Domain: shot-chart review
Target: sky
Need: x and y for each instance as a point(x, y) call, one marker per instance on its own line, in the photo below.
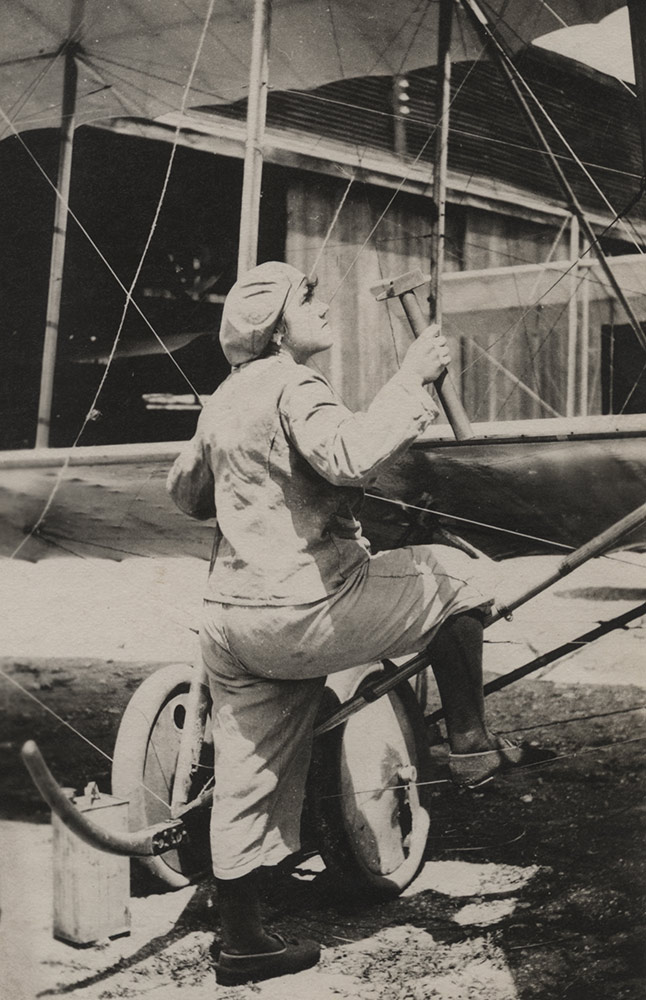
point(605, 46)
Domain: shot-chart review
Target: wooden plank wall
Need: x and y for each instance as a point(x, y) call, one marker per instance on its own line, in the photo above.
point(365, 247)
point(372, 336)
point(531, 343)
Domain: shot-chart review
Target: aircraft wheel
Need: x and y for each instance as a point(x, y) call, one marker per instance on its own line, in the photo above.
point(143, 770)
point(371, 813)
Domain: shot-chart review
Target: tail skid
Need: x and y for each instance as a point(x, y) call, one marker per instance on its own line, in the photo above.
point(139, 844)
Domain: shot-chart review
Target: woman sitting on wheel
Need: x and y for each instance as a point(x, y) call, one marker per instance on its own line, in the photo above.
point(294, 592)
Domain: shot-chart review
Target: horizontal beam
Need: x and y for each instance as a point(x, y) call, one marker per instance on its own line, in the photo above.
point(526, 284)
point(165, 452)
point(292, 148)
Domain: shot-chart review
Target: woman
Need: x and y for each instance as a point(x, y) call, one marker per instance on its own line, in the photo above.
point(294, 592)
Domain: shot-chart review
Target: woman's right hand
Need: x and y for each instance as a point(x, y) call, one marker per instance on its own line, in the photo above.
point(427, 356)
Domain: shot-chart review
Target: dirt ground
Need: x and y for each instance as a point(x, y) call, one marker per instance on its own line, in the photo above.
point(533, 886)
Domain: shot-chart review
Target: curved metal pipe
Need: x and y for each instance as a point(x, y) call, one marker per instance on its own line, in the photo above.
point(139, 844)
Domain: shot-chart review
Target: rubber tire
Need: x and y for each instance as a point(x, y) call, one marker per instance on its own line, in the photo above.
point(390, 732)
point(145, 757)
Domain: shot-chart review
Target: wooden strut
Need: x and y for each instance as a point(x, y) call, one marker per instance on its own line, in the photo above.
point(256, 118)
point(481, 24)
point(59, 237)
point(403, 288)
point(637, 18)
point(446, 391)
point(165, 837)
point(440, 168)
point(502, 609)
point(620, 621)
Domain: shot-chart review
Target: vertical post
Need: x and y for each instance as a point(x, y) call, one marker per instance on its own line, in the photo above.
point(442, 105)
point(585, 346)
point(400, 111)
point(637, 16)
point(190, 748)
point(256, 117)
point(570, 401)
point(60, 235)
point(440, 171)
point(481, 24)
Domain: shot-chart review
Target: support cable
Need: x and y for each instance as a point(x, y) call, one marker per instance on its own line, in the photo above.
point(512, 76)
point(128, 299)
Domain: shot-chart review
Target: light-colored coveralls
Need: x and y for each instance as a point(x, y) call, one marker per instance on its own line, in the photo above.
point(294, 592)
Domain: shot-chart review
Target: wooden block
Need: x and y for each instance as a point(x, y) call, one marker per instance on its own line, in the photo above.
point(91, 887)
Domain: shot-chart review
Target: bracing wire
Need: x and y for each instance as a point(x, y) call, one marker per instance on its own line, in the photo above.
point(633, 390)
point(517, 771)
point(550, 333)
point(48, 67)
point(469, 521)
point(572, 265)
point(531, 296)
point(575, 158)
point(128, 299)
point(99, 253)
point(400, 186)
point(557, 17)
point(618, 216)
point(41, 704)
point(332, 225)
point(35, 84)
point(498, 529)
point(114, 347)
point(64, 722)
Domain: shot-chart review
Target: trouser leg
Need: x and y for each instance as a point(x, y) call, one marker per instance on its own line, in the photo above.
point(262, 739)
point(456, 660)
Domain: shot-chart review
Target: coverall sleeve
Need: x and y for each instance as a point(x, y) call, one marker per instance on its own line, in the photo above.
point(190, 481)
point(349, 448)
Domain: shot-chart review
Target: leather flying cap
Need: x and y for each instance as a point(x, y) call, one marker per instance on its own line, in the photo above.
point(253, 308)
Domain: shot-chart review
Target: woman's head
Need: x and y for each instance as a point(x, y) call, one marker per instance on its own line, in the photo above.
point(273, 301)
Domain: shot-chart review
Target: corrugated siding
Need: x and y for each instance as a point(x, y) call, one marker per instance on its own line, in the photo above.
point(488, 133)
point(489, 138)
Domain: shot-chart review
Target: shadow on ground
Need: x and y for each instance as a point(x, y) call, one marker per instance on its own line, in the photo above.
point(574, 929)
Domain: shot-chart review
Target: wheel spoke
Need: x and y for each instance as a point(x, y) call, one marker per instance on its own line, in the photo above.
point(145, 761)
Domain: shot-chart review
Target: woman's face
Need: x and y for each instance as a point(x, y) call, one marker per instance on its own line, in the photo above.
point(307, 329)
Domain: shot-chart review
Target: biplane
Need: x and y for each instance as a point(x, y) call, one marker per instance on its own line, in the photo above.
point(571, 483)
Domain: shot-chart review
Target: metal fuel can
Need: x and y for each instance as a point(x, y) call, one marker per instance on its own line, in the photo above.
point(91, 887)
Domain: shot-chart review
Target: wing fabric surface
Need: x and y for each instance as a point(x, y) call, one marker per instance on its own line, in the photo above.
point(133, 58)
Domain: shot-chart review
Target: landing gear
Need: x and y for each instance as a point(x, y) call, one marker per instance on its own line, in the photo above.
point(370, 803)
point(370, 815)
point(144, 767)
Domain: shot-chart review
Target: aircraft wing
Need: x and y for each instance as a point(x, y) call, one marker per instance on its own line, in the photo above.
point(521, 488)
